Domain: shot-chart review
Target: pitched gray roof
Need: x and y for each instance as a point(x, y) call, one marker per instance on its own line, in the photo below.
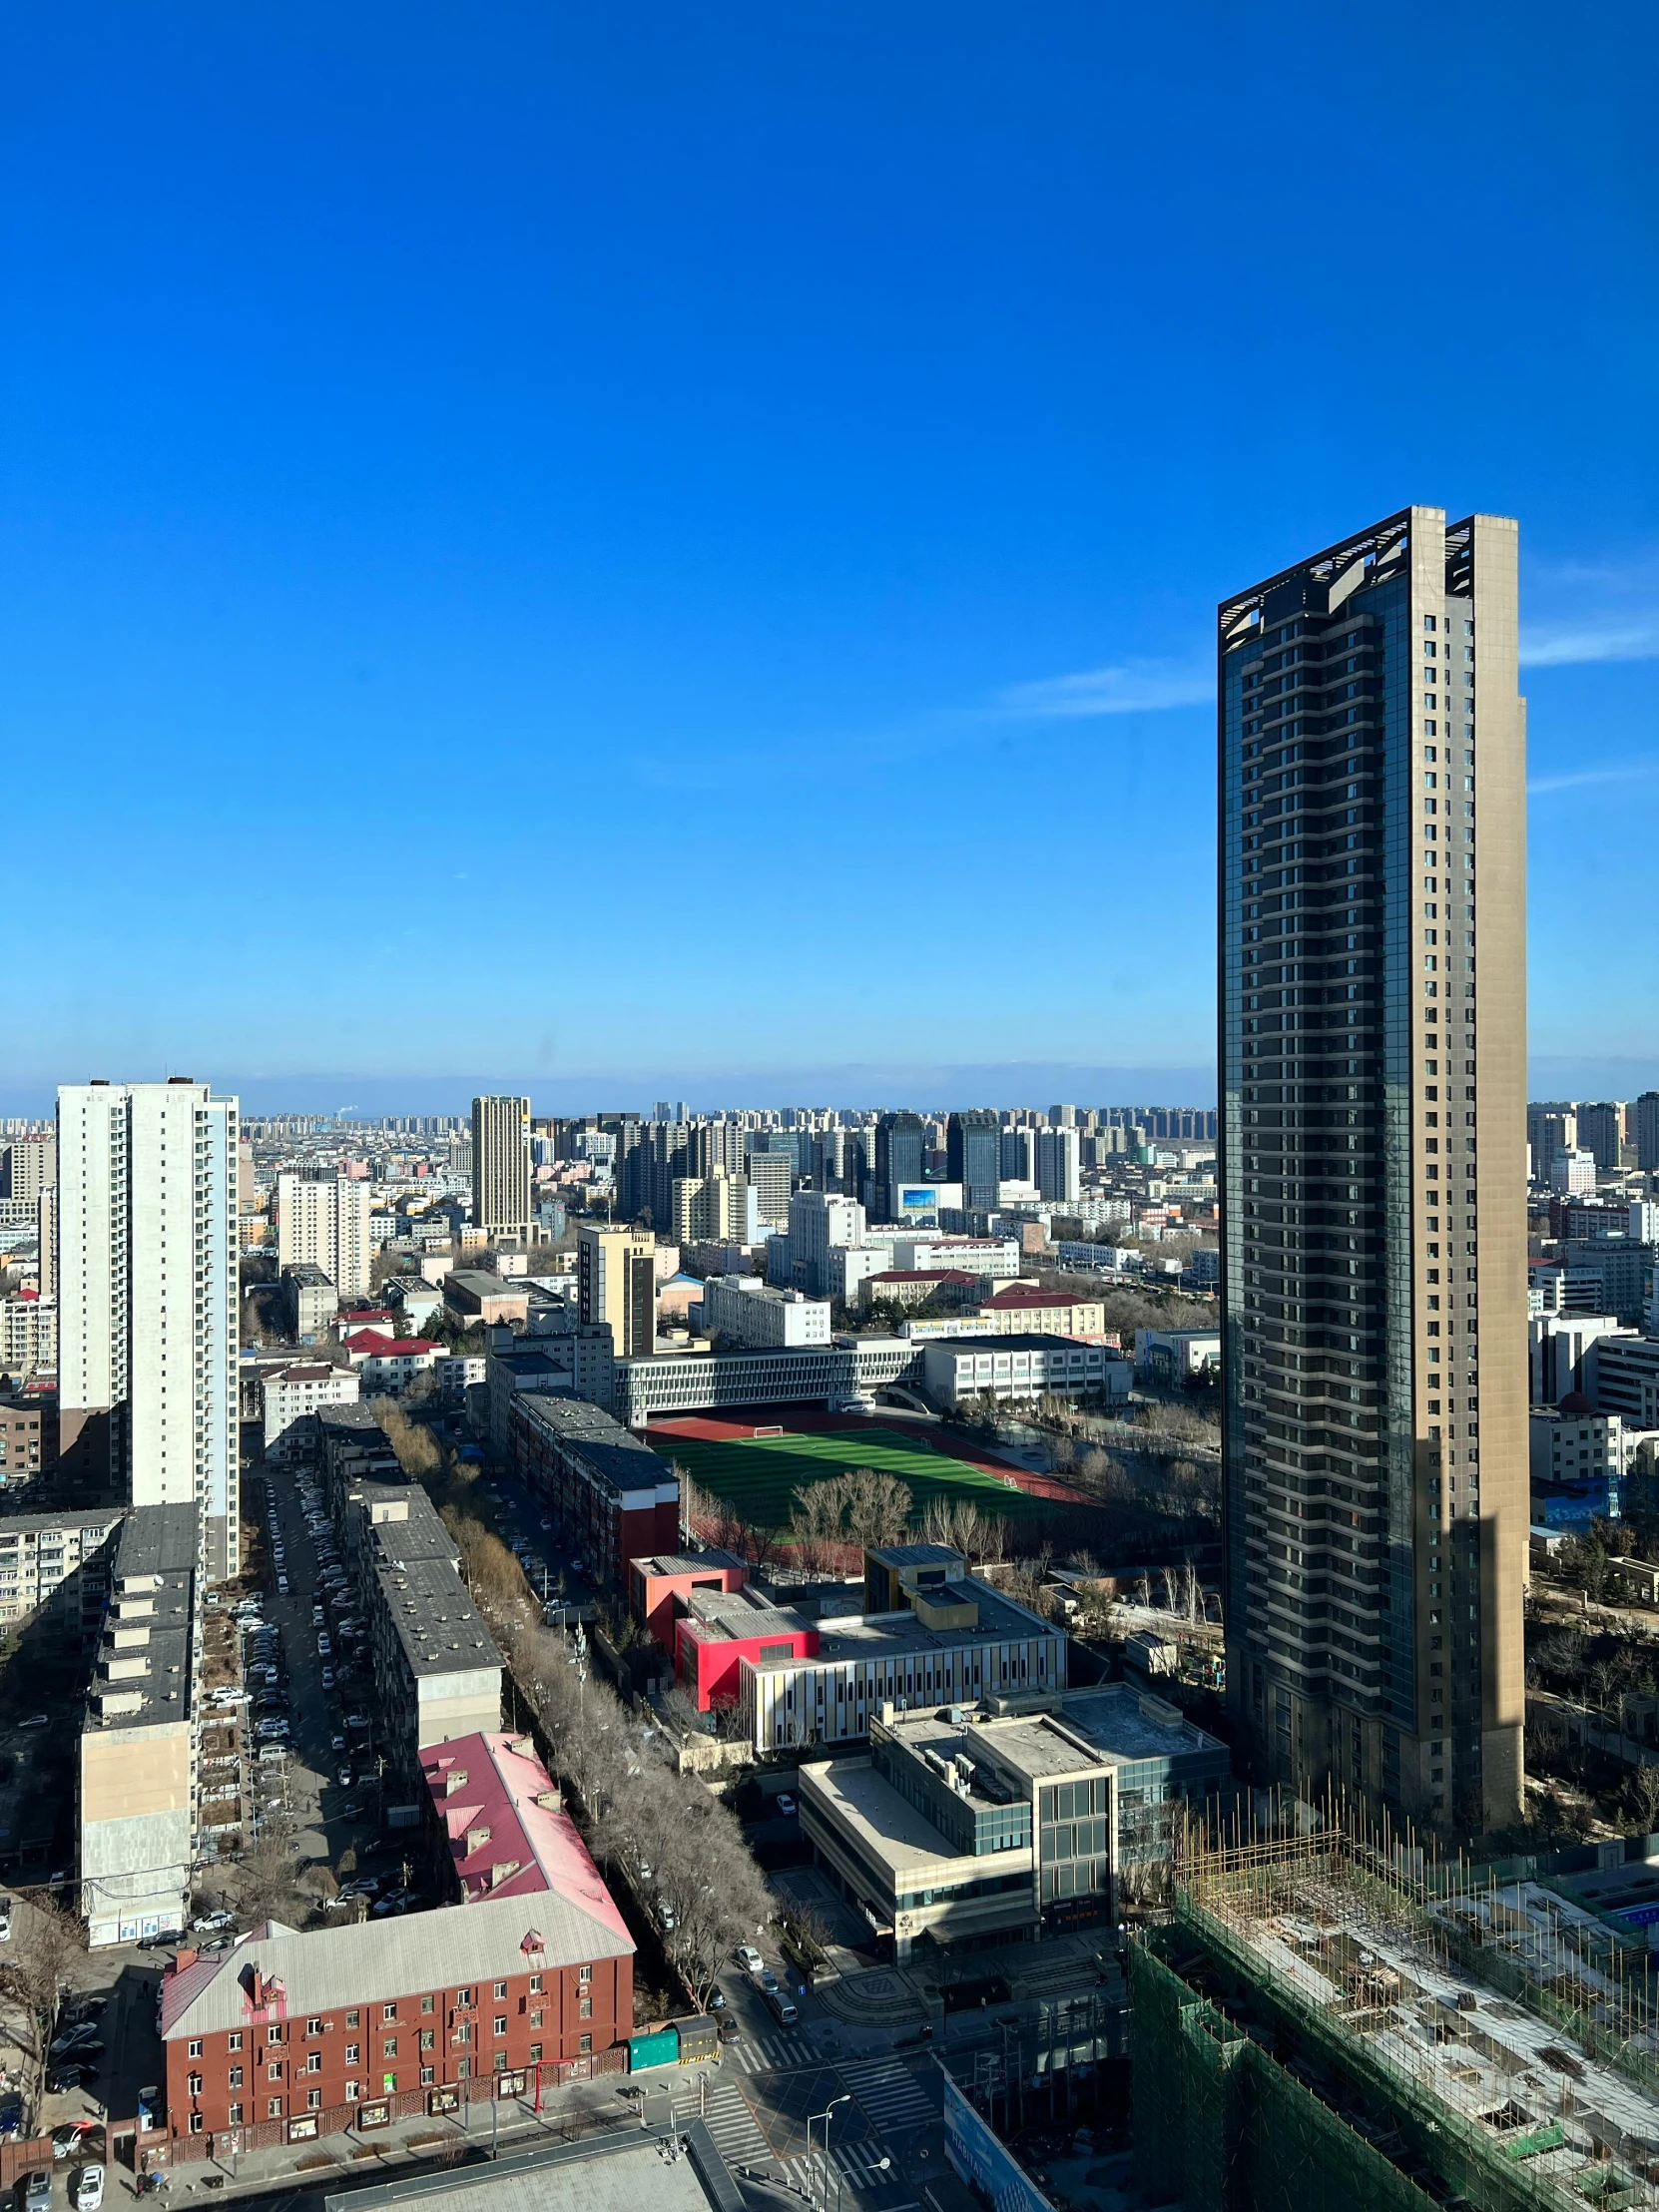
point(326, 1969)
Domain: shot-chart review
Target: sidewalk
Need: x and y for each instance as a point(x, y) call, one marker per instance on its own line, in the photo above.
point(582, 2109)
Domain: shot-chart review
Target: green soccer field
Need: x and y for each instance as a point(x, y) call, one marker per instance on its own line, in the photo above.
point(760, 1474)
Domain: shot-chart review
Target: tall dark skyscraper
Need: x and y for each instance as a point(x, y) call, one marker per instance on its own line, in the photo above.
point(1372, 1047)
point(900, 1147)
point(973, 1155)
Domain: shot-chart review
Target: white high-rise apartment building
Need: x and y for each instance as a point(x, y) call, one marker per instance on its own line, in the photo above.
point(1059, 1172)
point(148, 1309)
point(327, 1223)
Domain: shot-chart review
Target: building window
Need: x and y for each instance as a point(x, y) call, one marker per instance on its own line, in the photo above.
point(388, 2047)
point(351, 2051)
point(236, 2115)
point(428, 2038)
point(585, 2043)
point(314, 2063)
point(235, 2042)
point(584, 1974)
point(535, 1984)
point(501, 2023)
point(354, 2090)
point(536, 2019)
point(195, 2050)
point(273, 2108)
point(196, 2123)
point(313, 2027)
point(192, 2082)
point(501, 1988)
point(313, 2100)
point(234, 2079)
point(388, 2011)
point(463, 2070)
point(584, 2010)
point(464, 1999)
point(274, 2035)
point(428, 2004)
point(351, 2020)
point(428, 2074)
point(273, 2073)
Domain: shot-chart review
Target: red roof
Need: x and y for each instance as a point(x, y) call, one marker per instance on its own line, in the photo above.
point(367, 1344)
point(508, 1833)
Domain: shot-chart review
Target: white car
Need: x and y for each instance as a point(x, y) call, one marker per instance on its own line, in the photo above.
point(749, 1958)
point(89, 2189)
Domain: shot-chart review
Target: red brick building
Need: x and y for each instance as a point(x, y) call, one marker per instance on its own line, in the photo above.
point(288, 2036)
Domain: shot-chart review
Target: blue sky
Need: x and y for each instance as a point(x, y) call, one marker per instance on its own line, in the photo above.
point(666, 549)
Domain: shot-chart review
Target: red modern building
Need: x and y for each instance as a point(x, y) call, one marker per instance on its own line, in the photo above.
point(662, 1585)
point(527, 1980)
point(718, 1632)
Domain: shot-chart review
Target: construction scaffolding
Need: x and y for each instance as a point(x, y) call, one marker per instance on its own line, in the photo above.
point(1336, 2017)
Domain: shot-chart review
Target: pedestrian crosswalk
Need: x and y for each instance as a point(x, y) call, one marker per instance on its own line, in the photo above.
point(858, 2166)
point(729, 2121)
point(771, 2054)
point(890, 2094)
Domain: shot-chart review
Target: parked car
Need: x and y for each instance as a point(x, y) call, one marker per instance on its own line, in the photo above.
point(783, 1805)
point(749, 1958)
point(71, 2135)
point(211, 1921)
point(37, 2192)
point(35, 1720)
point(89, 2189)
point(63, 2078)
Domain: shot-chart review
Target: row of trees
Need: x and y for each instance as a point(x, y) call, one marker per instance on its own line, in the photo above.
point(673, 1839)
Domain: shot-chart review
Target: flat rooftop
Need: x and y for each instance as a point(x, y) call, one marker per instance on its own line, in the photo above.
point(604, 2176)
point(890, 1832)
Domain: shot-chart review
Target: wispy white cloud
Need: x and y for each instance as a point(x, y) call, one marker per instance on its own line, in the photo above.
point(1633, 639)
point(1632, 772)
point(1125, 688)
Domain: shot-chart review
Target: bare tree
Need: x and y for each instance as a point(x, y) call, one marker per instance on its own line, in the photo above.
point(37, 1960)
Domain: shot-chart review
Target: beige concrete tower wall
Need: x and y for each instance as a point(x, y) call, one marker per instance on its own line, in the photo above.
point(1501, 1028)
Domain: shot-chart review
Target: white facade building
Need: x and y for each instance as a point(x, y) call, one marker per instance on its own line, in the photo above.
point(757, 1314)
point(819, 1222)
point(149, 1317)
point(960, 1367)
point(326, 1222)
point(296, 1392)
point(998, 1257)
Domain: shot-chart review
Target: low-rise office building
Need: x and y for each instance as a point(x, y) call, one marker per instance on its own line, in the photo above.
point(1176, 1356)
point(756, 1315)
point(1008, 1368)
point(417, 1301)
point(918, 1287)
point(611, 1498)
point(457, 1371)
point(966, 1831)
point(525, 1981)
point(846, 1374)
point(137, 1751)
point(967, 1825)
point(931, 1634)
point(476, 1294)
point(293, 1396)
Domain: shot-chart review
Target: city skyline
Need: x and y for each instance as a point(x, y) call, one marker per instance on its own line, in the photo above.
point(419, 429)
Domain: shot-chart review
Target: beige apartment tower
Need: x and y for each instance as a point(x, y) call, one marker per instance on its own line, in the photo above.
point(616, 1287)
point(501, 1167)
point(1372, 1049)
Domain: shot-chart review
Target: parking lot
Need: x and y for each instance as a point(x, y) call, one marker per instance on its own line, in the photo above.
point(310, 1723)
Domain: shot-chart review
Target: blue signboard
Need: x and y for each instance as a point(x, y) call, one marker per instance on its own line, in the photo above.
point(1637, 1915)
point(981, 2158)
point(916, 1198)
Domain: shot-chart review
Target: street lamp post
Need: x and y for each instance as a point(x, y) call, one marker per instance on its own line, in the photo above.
point(812, 2119)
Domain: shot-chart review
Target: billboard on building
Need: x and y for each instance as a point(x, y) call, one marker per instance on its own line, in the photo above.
point(910, 1201)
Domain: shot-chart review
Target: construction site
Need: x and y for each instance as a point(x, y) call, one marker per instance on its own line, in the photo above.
point(1335, 2019)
